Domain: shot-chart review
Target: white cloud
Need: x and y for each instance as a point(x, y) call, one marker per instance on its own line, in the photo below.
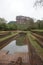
point(9, 9)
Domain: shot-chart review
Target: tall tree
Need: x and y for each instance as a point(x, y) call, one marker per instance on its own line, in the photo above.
point(3, 24)
point(38, 3)
point(2, 20)
point(31, 23)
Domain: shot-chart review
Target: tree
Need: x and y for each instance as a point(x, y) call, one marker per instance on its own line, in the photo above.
point(3, 24)
point(39, 24)
point(38, 3)
point(31, 24)
point(12, 25)
point(2, 20)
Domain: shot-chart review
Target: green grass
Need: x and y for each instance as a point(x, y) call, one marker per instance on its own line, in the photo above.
point(37, 47)
point(38, 30)
point(11, 35)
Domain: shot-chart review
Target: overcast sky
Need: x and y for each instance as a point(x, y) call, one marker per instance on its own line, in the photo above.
point(9, 9)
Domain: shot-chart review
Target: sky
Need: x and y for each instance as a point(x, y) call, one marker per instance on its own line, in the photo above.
point(9, 9)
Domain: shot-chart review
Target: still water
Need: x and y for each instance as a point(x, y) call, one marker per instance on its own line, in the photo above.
point(13, 48)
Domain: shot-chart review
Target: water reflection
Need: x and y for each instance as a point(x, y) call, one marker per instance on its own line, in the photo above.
point(12, 48)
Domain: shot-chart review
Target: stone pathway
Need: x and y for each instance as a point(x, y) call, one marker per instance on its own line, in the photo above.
point(7, 58)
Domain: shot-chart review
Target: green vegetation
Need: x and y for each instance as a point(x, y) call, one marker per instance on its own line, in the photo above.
point(34, 43)
point(27, 25)
point(9, 36)
point(7, 26)
point(37, 30)
point(21, 26)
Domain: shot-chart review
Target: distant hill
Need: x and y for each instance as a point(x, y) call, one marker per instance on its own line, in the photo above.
point(11, 22)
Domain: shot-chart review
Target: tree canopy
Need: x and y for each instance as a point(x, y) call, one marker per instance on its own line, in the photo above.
point(38, 3)
point(12, 25)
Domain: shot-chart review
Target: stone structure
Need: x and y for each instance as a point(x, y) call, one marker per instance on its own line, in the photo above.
point(22, 19)
point(14, 59)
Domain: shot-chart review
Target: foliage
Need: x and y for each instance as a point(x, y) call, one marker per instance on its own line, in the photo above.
point(38, 3)
point(7, 26)
point(12, 25)
point(39, 24)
